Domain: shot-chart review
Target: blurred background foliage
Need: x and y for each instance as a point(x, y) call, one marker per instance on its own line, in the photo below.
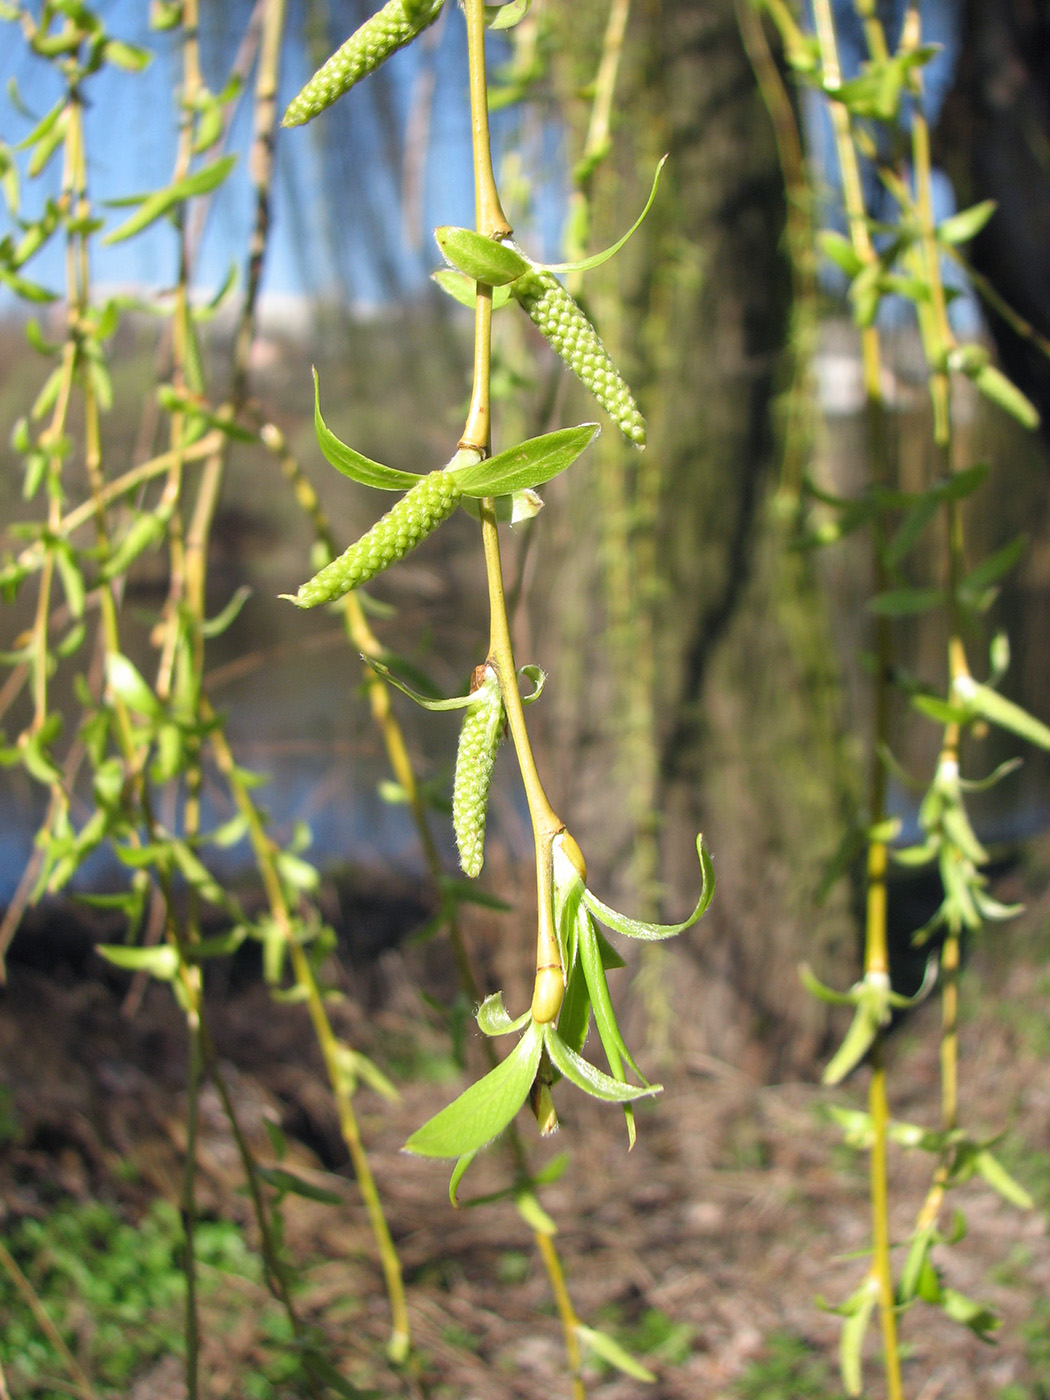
point(704, 673)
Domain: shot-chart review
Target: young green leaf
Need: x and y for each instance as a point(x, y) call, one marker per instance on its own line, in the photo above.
point(464, 289)
point(587, 1077)
point(505, 16)
point(509, 510)
point(990, 570)
point(995, 386)
point(613, 1353)
point(125, 681)
point(905, 602)
point(637, 928)
point(596, 259)
point(458, 1173)
point(616, 1051)
point(996, 709)
point(865, 1026)
point(485, 1109)
point(861, 1307)
point(353, 464)
point(533, 1214)
point(154, 206)
point(287, 1183)
point(574, 1018)
point(838, 249)
point(528, 464)
point(161, 962)
point(590, 954)
point(961, 227)
point(976, 1316)
point(455, 702)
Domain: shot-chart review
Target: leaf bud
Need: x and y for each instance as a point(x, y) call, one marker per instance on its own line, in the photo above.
point(548, 993)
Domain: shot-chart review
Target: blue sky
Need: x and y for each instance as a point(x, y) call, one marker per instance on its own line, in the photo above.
point(131, 140)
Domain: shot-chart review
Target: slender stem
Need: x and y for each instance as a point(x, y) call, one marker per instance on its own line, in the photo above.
point(596, 143)
point(545, 822)
point(566, 1311)
point(852, 185)
point(876, 953)
point(488, 211)
point(303, 972)
point(188, 1204)
point(798, 430)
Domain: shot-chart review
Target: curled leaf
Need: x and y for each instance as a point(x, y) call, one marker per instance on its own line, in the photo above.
point(638, 928)
point(596, 259)
point(493, 1017)
point(588, 1077)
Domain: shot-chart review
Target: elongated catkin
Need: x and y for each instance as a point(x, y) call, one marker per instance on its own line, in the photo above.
point(479, 741)
point(417, 514)
point(398, 22)
point(564, 325)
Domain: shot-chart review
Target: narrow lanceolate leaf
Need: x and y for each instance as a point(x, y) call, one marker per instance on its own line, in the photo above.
point(479, 742)
point(982, 700)
point(416, 515)
point(527, 464)
point(565, 327)
point(613, 1353)
point(154, 206)
point(588, 1077)
point(637, 928)
point(396, 24)
point(484, 1110)
point(861, 1307)
point(353, 464)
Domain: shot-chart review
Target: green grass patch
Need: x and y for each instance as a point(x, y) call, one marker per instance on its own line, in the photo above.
point(790, 1370)
point(116, 1293)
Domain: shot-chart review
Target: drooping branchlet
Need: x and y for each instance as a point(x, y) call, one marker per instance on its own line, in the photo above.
point(565, 326)
point(417, 514)
point(479, 741)
point(396, 24)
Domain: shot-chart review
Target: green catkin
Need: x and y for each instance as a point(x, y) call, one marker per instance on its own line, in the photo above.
point(396, 24)
point(479, 741)
point(417, 514)
point(565, 327)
